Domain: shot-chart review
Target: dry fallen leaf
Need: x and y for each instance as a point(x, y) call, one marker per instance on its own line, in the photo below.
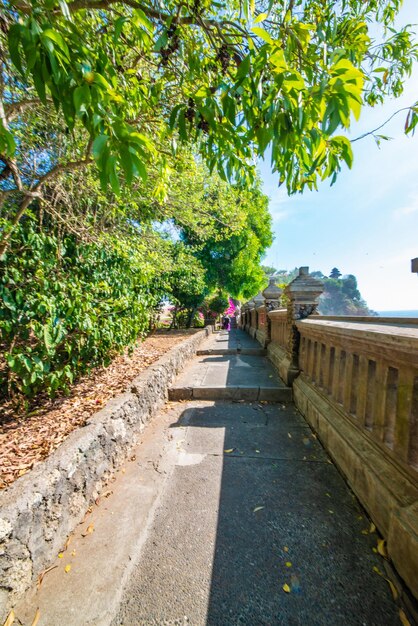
point(381, 548)
point(229, 450)
point(288, 564)
point(67, 568)
point(393, 589)
point(60, 555)
point(67, 543)
point(73, 553)
point(10, 619)
point(258, 508)
point(88, 531)
point(286, 549)
point(37, 617)
point(372, 528)
point(42, 574)
point(286, 588)
point(289, 435)
point(402, 616)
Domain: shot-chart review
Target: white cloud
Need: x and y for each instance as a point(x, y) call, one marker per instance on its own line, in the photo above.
point(278, 215)
point(409, 208)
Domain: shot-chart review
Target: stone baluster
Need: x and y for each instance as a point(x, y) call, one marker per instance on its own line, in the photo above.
point(303, 294)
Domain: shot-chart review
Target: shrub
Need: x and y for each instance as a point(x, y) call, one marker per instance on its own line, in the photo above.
point(67, 306)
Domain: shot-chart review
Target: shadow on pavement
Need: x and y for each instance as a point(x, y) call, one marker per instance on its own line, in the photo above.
point(290, 544)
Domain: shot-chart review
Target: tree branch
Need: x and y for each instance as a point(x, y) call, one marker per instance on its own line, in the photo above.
point(372, 132)
point(35, 192)
point(12, 109)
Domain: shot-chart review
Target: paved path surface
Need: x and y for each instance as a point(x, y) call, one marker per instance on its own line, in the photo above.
point(230, 513)
point(230, 366)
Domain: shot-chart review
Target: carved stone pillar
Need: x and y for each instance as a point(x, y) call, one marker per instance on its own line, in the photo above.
point(303, 293)
point(272, 295)
point(258, 301)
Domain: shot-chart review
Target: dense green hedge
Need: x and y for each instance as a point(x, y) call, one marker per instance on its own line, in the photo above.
point(67, 306)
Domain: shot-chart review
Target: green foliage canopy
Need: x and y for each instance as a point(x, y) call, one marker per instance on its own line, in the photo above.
point(69, 306)
point(122, 80)
point(232, 260)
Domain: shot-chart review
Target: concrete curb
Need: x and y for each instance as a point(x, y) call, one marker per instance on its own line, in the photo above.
point(41, 509)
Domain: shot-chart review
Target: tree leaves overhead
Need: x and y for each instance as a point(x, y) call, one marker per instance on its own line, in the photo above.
point(234, 79)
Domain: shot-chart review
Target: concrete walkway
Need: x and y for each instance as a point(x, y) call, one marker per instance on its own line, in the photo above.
point(230, 513)
point(230, 366)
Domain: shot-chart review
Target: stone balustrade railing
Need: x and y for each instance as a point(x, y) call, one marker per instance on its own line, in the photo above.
point(355, 380)
point(371, 372)
point(279, 333)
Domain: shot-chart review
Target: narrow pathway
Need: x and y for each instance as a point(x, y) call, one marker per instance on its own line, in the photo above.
point(256, 525)
point(230, 513)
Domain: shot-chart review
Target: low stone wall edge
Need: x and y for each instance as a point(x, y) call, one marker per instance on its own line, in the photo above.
point(42, 508)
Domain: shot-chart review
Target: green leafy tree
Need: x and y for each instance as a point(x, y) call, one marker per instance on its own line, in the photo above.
point(186, 286)
point(232, 260)
point(268, 270)
point(335, 273)
point(342, 297)
point(217, 304)
point(118, 82)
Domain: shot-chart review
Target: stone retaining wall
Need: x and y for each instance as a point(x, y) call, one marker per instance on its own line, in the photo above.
point(42, 508)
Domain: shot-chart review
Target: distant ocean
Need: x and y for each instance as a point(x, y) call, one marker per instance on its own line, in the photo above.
point(398, 313)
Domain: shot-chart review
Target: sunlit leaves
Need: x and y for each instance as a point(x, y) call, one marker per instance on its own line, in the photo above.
point(232, 82)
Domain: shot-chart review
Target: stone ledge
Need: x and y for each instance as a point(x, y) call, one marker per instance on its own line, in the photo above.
point(42, 508)
point(388, 494)
point(280, 359)
point(261, 337)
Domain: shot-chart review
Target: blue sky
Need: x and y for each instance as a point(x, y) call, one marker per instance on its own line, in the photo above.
point(367, 223)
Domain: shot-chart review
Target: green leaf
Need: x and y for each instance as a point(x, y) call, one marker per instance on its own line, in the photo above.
point(99, 144)
point(100, 80)
point(142, 19)
point(113, 174)
point(173, 115)
point(48, 340)
point(14, 39)
point(54, 36)
point(260, 18)
point(119, 24)
point(127, 164)
point(7, 142)
point(161, 41)
point(82, 98)
point(40, 87)
point(139, 167)
point(65, 10)
point(263, 34)
point(182, 126)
